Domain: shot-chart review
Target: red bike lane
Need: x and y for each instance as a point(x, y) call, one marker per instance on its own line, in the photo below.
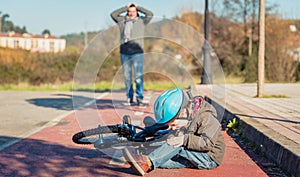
point(51, 152)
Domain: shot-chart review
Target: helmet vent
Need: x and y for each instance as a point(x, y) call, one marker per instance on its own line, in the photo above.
point(163, 113)
point(156, 107)
point(163, 102)
point(173, 91)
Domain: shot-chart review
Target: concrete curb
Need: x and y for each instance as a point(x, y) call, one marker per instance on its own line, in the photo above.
point(267, 138)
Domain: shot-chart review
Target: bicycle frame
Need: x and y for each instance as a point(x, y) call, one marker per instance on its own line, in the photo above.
point(129, 134)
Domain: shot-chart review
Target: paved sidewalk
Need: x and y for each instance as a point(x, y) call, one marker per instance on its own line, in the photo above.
point(50, 152)
point(273, 123)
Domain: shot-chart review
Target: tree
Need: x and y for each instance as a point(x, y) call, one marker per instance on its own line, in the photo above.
point(46, 31)
point(252, 28)
point(0, 22)
point(3, 22)
point(20, 30)
point(243, 11)
point(23, 30)
point(8, 26)
point(298, 25)
point(281, 43)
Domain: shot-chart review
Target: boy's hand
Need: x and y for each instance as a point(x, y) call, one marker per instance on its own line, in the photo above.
point(179, 124)
point(176, 141)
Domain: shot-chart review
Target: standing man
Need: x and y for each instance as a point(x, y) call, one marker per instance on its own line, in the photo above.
point(131, 48)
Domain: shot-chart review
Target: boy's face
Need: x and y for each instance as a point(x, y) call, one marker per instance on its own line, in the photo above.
point(132, 12)
point(177, 122)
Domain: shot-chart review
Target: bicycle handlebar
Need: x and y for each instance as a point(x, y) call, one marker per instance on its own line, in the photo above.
point(151, 130)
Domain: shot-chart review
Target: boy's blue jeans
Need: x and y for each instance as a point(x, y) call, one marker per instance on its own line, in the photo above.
point(167, 156)
point(136, 62)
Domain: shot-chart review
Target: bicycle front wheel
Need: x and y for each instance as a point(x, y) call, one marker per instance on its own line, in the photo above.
point(88, 136)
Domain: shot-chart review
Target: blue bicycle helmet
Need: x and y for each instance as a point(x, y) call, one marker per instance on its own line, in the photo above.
point(168, 105)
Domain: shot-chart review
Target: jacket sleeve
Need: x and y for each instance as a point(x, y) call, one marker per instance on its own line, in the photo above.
point(198, 142)
point(116, 15)
point(202, 138)
point(148, 14)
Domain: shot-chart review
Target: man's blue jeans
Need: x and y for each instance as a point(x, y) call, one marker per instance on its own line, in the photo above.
point(167, 156)
point(136, 62)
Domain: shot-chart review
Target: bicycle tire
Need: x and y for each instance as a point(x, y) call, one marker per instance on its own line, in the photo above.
point(91, 132)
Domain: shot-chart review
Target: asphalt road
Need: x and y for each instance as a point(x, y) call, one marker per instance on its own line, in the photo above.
point(23, 113)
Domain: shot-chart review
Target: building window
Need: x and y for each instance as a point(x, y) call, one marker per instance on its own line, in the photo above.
point(16, 44)
point(52, 46)
point(34, 44)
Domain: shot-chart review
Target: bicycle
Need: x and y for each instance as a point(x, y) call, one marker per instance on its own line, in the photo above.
point(125, 134)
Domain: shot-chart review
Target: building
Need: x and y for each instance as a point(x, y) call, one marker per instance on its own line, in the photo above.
point(31, 42)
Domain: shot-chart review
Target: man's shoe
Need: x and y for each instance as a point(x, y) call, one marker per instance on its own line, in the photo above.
point(140, 163)
point(129, 102)
point(140, 103)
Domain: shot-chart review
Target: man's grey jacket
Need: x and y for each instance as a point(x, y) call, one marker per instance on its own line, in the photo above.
point(136, 42)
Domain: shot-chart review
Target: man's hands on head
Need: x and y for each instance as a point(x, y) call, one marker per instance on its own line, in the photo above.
point(135, 5)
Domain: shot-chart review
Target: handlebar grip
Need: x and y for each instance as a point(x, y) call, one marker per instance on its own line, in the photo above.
point(151, 130)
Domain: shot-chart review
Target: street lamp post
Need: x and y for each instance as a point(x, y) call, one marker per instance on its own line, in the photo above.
point(206, 74)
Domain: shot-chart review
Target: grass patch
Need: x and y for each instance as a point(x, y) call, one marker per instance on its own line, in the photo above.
point(274, 96)
point(161, 85)
point(234, 80)
point(43, 87)
point(99, 86)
